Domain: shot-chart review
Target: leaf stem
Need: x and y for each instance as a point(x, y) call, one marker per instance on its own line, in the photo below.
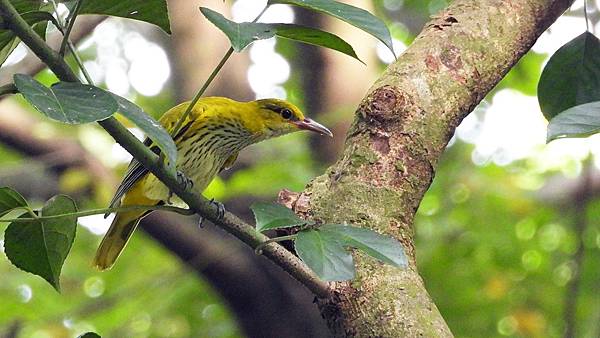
point(91, 212)
point(259, 248)
point(199, 94)
point(79, 63)
point(71, 22)
point(69, 44)
point(208, 81)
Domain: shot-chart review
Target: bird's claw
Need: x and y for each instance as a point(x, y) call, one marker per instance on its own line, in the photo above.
point(182, 180)
point(220, 211)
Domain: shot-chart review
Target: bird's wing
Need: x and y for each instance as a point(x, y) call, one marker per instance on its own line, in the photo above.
point(136, 170)
point(134, 173)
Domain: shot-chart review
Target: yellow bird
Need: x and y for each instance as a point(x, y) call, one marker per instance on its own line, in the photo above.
point(208, 142)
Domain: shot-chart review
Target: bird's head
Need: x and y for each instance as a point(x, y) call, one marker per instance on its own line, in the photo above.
point(278, 117)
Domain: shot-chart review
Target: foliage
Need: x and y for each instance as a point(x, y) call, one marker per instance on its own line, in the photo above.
point(323, 247)
point(30, 10)
point(504, 250)
point(353, 15)
point(242, 34)
point(150, 293)
point(41, 245)
point(490, 248)
point(569, 89)
point(76, 103)
point(150, 11)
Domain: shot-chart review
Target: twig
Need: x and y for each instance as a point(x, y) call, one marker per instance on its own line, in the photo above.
point(91, 212)
point(231, 223)
point(71, 22)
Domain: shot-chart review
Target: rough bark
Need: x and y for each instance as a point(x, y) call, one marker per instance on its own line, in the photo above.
point(400, 130)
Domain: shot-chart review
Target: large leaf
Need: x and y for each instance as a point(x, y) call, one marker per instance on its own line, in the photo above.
point(384, 248)
point(67, 102)
point(353, 15)
point(10, 199)
point(76, 103)
point(41, 246)
point(151, 11)
point(150, 127)
point(325, 255)
point(315, 37)
point(571, 76)
point(274, 216)
point(580, 121)
point(243, 34)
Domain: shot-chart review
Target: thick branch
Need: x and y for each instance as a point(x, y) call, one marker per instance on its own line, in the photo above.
point(201, 205)
point(399, 133)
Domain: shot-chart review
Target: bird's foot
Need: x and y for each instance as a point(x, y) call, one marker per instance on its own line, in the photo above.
point(220, 212)
point(182, 180)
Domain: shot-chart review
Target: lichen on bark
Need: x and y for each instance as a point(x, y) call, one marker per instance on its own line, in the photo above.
point(400, 130)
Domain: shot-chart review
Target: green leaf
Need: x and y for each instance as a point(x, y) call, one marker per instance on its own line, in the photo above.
point(242, 34)
point(355, 16)
point(378, 246)
point(89, 335)
point(274, 216)
point(23, 6)
point(10, 199)
point(150, 127)
point(571, 76)
point(315, 37)
point(67, 102)
point(151, 11)
point(580, 121)
point(41, 246)
point(8, 43)
point(325, 255)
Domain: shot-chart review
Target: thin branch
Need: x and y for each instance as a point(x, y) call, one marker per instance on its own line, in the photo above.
point(201, 91)
point(231, 223)
point(71, 22)
point(92, 212)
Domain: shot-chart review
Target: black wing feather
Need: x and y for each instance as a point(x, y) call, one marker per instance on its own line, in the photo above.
point(134, 173)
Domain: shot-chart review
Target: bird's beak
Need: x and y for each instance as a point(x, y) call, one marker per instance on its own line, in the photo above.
point(308, 124)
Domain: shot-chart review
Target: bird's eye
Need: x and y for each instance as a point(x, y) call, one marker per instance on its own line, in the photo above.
point(286, 113)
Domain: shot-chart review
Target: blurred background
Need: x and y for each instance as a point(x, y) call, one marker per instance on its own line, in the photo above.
point(508, 240)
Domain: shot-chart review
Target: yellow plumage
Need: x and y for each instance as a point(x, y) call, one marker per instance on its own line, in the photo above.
point(208, 141)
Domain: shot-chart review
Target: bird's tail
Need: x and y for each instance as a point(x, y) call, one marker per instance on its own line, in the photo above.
point(116, 238)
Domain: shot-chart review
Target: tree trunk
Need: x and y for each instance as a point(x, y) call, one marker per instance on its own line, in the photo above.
point(400, 130)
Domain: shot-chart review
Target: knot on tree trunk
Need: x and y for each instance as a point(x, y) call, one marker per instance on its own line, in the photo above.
point(382, 105)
